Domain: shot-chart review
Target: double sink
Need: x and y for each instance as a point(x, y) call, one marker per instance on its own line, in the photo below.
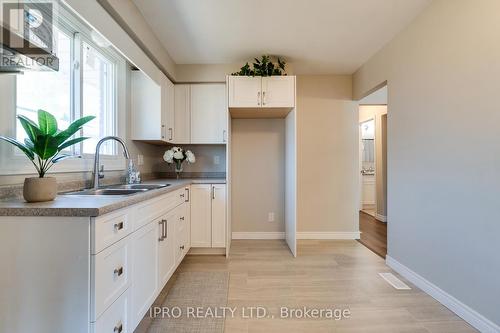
point(120, 189)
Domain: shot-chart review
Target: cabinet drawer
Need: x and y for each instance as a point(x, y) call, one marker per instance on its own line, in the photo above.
point(111, 275)
point(109, 229)
point(115, 319)
point(154, 208)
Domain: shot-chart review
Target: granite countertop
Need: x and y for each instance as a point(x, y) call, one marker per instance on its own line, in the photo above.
point(90, 205)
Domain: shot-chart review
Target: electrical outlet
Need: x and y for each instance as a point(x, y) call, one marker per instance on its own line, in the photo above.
point(216, 159)
point(270, 217)
point(140, 159)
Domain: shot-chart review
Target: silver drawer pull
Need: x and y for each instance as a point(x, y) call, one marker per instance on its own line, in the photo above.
point(118, 271)
point(118, 328)
point(182, 195)
point(182, 247)
point(118, 226)
point(182, 218)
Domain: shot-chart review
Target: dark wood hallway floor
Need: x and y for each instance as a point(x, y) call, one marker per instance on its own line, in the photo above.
point(373, 234)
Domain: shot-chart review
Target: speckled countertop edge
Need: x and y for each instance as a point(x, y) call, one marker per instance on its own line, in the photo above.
point(91, 206)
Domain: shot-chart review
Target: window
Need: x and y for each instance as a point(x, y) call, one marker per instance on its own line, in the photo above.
point(89, 87)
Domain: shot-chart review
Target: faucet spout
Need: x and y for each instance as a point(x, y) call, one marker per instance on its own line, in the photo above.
point(126, 154)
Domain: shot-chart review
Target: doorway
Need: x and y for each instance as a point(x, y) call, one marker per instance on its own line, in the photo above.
point(373, 171)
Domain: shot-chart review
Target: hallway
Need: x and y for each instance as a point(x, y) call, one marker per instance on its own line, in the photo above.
point(373, 234)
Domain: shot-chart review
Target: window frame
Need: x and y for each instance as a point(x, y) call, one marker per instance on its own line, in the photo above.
point(11, 160)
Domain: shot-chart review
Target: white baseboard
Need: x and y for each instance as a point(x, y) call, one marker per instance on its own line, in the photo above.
point(300, 235)
point(258, 235)
point(381, 218)
point(328, 235)
point(471, 316)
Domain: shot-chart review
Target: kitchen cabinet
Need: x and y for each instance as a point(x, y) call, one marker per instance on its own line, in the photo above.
point(208, 215)
point(152, 108)
point(145, 270)
point(261, 92)
point(201, 210)
point(166, 246)
point(182, 114)
point(218, 215)
point(208, 113)
point(278, 92)
point(245, 92)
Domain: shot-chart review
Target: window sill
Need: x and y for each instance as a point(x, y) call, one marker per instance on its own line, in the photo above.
point(22, 166)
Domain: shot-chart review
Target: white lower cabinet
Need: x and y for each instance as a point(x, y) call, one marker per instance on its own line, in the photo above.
point(145, 270)
point(208, 215)
point(116, 318)
point(167, 246)
point(218, 215)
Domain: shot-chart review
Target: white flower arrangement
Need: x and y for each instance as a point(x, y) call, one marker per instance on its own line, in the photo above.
point(177, 156)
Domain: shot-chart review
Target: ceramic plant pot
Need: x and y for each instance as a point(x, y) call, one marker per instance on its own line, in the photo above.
point(39, 189)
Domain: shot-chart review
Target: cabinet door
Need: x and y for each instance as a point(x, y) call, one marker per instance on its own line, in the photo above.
point(201, 226)
point(219, 215)
point(244, 92)
point(166, 247)
point(146, 108)
point(183, 231)
point(182, 128)
point(145, 270)
point(168, 110)
point(208, 113)
point(278, 92)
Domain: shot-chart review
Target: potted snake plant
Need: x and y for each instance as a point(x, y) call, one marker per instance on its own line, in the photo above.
point(44, 147)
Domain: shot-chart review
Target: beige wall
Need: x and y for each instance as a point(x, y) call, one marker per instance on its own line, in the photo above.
point(327, 136)
point(258, 174)
point(443, 147)
point(377, 112)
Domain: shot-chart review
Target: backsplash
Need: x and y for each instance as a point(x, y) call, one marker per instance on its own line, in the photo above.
point(206, 156)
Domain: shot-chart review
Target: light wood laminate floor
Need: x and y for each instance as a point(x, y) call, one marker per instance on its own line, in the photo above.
point(326, 274)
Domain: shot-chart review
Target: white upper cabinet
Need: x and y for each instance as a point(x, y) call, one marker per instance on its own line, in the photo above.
point(182, 114)
point(245, 92)
point(278, 91)
point(208, 113)
point(152, 108)
point(261, 92)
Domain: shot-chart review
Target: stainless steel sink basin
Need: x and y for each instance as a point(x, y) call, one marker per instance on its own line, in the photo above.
point(121, 190)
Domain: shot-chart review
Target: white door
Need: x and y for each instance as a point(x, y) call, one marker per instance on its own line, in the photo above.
point(244, 92)
point(278, 92)
point(168, 115)
point(182, 128)
point(201, 225)
point(166, 247)
point(145, 270)
point(218, 215)
point(208, 113)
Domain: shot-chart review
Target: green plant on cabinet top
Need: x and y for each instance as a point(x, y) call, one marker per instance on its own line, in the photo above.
point(263, 67)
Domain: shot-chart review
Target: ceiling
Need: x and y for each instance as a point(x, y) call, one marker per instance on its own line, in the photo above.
point(317, 36)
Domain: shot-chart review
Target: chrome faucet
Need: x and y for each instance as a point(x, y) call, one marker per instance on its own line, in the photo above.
point(99, 171)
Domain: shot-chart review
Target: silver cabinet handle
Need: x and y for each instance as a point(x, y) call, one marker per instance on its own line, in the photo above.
point(224, 136)
point(162, 235)
point(118, 271)
point(182, 247)
point(263, 98)
point(118, 226)
point(258, 98)
point(118, 328)
point(163, 131)
point(182, 218)
point(165, 229)
point(213, 192)
point(170, 134)
point(187, 191)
